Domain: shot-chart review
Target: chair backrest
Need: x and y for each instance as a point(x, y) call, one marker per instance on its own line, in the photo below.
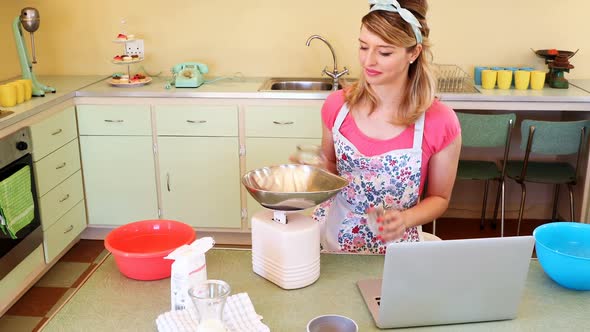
point(553, 137)
point(485, 130)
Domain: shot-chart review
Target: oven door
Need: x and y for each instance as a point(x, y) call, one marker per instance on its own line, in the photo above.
point(15, 247)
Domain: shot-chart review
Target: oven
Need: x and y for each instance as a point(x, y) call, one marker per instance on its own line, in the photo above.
point(20, 225)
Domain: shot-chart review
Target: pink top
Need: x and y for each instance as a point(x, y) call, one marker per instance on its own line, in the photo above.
point(441, 127)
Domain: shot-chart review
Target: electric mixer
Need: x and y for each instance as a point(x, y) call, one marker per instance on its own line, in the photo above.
point(29, 19)
point(285, 243)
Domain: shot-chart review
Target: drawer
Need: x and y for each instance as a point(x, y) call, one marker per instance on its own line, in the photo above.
point(56, 167)
point(60, 199)
point(17, 279)
point(191, 120)
point(284, 121)
point(64, 231)
point(53, 133)
point(124, 120)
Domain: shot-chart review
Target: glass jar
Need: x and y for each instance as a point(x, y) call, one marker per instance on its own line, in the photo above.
point(209, 298)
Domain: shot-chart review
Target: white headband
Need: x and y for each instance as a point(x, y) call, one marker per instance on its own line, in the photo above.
point(406, 15)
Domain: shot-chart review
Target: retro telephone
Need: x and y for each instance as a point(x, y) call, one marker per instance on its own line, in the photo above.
point(189, 74)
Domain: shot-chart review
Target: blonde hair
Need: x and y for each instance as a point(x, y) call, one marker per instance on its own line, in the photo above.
point(420, 90)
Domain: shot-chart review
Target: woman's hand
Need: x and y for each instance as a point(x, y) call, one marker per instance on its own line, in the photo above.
point(393, 225)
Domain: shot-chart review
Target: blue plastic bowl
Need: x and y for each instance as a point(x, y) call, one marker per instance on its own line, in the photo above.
point(563, 249)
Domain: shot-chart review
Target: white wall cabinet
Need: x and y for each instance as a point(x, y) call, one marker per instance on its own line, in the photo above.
point(198, 154)
point(118, 163)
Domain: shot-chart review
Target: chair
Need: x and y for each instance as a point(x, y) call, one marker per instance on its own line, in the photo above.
point(556, 138)
point(486, 131)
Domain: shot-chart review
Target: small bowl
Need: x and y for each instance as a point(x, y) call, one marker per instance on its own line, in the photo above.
point(332, 323)
point(563, 249)
point(139, 247)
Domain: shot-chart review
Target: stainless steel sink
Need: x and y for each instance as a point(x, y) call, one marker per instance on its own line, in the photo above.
point(300, 84)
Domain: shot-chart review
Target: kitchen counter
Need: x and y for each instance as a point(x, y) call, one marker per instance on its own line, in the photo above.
point(110, 302)
point(66, 87)
point(576, 98)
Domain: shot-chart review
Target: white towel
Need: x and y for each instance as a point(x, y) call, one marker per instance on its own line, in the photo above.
point(238, 316)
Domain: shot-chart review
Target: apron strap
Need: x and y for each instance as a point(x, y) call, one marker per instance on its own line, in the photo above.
point(340, 117)
point(419, 132)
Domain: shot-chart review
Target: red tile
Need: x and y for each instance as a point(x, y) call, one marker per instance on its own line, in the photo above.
point(37, 301)
point(84, 276)
point(84, 251)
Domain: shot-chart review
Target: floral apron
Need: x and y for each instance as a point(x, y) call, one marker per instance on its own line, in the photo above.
point(391, 180)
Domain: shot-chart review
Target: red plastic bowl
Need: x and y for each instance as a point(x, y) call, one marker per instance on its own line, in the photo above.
point(139, 247)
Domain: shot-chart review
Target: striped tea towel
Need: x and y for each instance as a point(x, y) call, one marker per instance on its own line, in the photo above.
point(17, 208)
point(238, 316)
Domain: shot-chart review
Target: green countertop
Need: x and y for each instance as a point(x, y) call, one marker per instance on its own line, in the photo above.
point(110, 302)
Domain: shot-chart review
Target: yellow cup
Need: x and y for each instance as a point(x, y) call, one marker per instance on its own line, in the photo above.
point(522, 79)
point(504, 79)
point(488, 79)
point(20, 91)
point(7, 95)
point(28, 84)
point(537, 80)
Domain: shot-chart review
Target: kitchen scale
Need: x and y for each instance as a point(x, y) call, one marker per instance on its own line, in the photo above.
point(286, 243)
point(558, 63)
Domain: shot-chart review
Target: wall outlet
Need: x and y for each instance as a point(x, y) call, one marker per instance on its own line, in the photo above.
point(135, 47)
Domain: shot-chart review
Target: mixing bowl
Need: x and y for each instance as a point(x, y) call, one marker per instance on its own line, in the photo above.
point(292, 187)
point(563, 249)
point(139, 247)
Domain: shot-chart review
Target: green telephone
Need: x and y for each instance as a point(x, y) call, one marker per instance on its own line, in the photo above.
point(189, 74)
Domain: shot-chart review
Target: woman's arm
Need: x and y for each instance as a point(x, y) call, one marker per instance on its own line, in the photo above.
point(442, 170)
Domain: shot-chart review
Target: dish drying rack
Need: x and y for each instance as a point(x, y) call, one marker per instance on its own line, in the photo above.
point(451, 78)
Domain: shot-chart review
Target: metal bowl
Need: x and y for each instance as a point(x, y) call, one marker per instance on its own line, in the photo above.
point(292, 187)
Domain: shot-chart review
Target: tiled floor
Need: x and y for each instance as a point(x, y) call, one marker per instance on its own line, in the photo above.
point(56, 286)
point(40, 302)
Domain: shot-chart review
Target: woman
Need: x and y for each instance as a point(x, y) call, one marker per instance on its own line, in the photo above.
point(388, 135)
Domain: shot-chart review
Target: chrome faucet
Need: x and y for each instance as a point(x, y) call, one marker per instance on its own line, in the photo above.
point(335, 74)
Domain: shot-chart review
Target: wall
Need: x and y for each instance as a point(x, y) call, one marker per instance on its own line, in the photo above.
point(267, 38)
point(9, 65)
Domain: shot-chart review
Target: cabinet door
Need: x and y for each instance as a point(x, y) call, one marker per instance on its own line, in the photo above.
point(119, 179)
point(200, 180)
point(262, 152)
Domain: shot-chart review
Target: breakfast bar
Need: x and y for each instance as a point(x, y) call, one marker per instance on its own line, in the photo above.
point(108, 301)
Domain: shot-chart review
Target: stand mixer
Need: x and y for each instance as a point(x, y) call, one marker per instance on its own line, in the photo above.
point(285, 243)
point(29, 19)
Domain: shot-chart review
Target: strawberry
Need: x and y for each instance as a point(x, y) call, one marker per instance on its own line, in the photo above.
point(121, 36)
point(552, 51)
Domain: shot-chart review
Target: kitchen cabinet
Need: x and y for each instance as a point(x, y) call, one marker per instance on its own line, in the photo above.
point(273, 133)
point(198, 156)
point(58, 178)
point(117, 155)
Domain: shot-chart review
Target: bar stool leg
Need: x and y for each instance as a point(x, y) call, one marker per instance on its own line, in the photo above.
point(498, 195)
point(571, 190)
point(482, 223)
point(503, 208)
point(521, 210)
point(555, 199)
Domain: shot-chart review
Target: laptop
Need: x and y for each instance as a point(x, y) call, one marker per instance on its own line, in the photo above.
point(448, 282)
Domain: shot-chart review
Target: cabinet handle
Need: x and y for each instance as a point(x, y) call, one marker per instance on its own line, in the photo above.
point(283, 122)
point(168, 181)
point(196, 121)
point(65, 197)
point(57, 132)
point(62, 165)
point(69, 229)
point(113, 121)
